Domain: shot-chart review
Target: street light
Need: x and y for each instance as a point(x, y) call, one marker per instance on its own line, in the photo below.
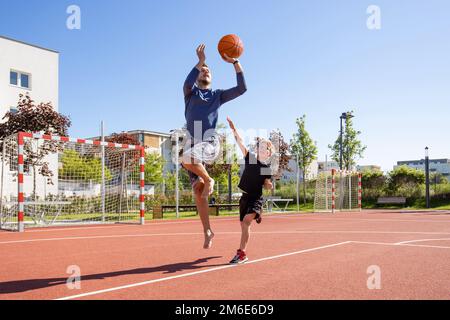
point(175, 142)
point(297, 178)
point(344, 116)
point(427, 178)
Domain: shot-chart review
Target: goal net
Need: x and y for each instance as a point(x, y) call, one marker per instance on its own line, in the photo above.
point(338, 190)
point(49, 180)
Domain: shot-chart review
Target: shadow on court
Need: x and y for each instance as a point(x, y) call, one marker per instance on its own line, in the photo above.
point(34, 284)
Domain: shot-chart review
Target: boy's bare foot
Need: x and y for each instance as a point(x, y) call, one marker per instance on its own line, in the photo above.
point(209, 188)
point(209, 235)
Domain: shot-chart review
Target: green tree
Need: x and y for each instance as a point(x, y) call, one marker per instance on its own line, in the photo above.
point(82, 168)
point(352, 147)
point(305, 149)
point(405, 180)
point(153, 168)
point(281, 153)
point(373, 183)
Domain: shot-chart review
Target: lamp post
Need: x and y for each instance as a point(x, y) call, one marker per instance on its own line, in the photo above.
point(344, 116)
point(298, 182)
point(175, 141)
point(427, 178)
point(230, 187)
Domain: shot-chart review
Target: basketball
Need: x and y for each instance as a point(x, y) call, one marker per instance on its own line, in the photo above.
point(231, 45)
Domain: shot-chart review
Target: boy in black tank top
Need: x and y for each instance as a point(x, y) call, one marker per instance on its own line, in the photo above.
point(256, 175)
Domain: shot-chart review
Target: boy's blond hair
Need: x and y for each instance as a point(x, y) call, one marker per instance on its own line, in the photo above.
point(269, 144)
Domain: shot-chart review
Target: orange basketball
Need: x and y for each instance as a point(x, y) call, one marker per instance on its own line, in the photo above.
point(232, 45)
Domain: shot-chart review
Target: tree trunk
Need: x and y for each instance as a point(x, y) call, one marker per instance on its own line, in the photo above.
point(304, 188)
point(34, 183)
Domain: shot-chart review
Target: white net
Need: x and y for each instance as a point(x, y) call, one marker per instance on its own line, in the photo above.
point(337, 191)
point(323, 193)
point(69, 182)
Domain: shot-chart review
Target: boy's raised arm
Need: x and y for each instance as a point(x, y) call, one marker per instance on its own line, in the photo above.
point(237, 137)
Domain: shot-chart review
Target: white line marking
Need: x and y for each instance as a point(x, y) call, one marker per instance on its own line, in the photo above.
point(359, 219)
point(306, 216)
point(104, 237)
point(423, 246)
point(223, 233)
point(197, 272)
point(422, 240)
point(399, 245)
point(121, 226)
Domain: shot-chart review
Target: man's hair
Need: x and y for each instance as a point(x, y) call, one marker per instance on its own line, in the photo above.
point(205, 65)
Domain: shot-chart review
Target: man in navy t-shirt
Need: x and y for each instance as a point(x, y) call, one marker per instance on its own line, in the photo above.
point(203, 146)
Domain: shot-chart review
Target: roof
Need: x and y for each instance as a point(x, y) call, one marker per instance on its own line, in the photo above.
point(28, 44)
point(161, 134)
point(155, 133)
point(422, 160)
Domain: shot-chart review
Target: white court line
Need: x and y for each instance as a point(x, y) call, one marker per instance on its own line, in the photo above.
point(306, 216)
point(223, 233)
point(198, 272)
point(105, 237)
point(421, 240)
point(361, 219)
point(106, 226)
point(399, 245)
point(121, 226)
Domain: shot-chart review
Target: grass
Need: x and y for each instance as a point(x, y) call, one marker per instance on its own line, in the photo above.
point(418, 204)
point(171, 215)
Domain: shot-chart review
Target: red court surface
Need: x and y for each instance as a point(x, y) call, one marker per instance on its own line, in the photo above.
point(292, 256)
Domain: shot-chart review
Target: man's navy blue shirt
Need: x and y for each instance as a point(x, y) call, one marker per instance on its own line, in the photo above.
point(202, 105)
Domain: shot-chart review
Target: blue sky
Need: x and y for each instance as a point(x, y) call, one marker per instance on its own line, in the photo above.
point(127, 64)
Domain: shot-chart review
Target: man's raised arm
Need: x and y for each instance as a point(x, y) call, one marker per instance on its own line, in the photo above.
point(241, 87)
point(193, 75)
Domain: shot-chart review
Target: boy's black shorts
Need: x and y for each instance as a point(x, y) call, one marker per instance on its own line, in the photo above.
point(249, 204)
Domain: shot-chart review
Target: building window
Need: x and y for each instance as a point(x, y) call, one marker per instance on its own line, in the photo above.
point(20, 79)
point(24, 81)
point(13, 78)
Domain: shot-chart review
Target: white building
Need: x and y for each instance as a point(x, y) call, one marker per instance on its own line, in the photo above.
point(325, 166)
point(155, 142)
point(292, 175)
point(26, 68)
point(441, 166)
point(369, 167)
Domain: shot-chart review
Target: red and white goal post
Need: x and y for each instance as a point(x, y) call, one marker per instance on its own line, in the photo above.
point(52, 181)
point(338, 190)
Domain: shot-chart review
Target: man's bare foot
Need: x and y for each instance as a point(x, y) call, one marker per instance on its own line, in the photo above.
point(209, 235)
point(209, 188)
